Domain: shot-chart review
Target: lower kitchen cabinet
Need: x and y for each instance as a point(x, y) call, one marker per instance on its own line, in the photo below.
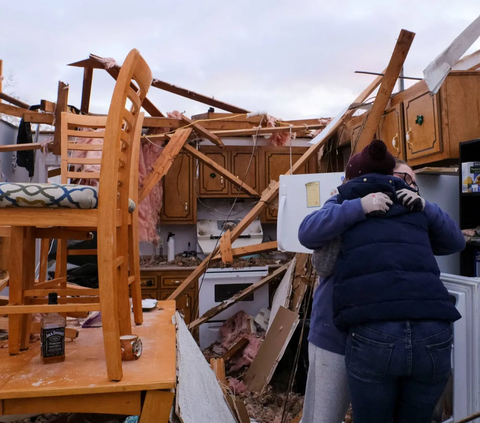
point(160, 284)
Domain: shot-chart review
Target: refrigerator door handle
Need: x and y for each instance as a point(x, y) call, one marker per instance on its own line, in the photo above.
point(281, 208)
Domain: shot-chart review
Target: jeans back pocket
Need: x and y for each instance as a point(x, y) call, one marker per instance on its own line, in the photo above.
point(441, 358)
point(366, 357)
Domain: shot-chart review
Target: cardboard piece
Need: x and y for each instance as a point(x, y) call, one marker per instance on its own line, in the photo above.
point(261, 371)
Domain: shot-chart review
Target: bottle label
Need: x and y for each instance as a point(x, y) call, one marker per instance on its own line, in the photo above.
point(53, 342)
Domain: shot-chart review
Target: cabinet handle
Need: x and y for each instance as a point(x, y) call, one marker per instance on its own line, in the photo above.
point(221, 180)
point(188, 302)
point(408, 136)
point(394, 143)
point(186, 206)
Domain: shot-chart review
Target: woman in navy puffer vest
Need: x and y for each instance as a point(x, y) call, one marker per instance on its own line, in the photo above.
point(388, 294)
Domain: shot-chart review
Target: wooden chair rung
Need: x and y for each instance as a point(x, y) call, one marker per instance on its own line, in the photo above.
point(48, 308)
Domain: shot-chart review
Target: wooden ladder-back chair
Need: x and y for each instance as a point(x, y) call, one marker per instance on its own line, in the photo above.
point(64, 206)
point(71, 122)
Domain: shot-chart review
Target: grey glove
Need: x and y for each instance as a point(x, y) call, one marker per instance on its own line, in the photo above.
point(411, 200)
point(376, 202)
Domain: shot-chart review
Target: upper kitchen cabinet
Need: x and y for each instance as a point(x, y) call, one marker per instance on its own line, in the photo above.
point(237, 160)
point(179, 200)
point(390, 130)
point(245, 166)
point(430, 128)
point(422, 125)
point(212, 184)
point(276, 162)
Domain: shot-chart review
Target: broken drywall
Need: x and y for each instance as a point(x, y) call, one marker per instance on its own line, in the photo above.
point(199, 398)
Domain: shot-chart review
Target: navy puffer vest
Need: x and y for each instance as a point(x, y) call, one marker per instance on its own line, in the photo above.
point(386, 269)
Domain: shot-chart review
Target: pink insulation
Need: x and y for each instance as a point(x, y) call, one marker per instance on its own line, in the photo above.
point(279, 138)
point(233, 330)
point(236, 386)
point(248, 354)
point(149, 209)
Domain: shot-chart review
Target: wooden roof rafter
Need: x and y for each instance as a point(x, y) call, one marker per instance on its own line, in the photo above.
point(97, 62)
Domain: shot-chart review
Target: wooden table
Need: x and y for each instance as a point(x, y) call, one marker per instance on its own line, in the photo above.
point(80, 384)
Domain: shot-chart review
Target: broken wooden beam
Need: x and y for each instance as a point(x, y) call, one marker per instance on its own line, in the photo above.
point(48, 106)
point(162, 122)
point(226, 248)
point(147, 104)
point(62, 104)
point(237, 297)
point(196, 96)
point(164, 162)
point(35, 117)
point(236, 349)
point(300, 282)
point(13, 100)
point(20, 147)
point(218, 367)
point(221, 170)
point(98, 62)
point(86, 89)
point(252, 249)
point(263, 131)
point(389, 80)
point(12, 110)
point(204, 132)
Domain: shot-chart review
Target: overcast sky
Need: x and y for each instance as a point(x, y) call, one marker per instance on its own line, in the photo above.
point(291, 58)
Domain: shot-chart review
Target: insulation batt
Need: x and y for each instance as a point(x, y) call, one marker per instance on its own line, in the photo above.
point(149, 209)
point(232, 331)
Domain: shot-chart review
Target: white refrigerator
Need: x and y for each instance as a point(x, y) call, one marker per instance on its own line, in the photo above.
point(300, 195)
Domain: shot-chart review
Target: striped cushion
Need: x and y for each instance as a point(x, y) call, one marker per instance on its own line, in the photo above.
point(33, 195)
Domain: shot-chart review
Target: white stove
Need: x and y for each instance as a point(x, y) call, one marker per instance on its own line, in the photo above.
point(219, 285)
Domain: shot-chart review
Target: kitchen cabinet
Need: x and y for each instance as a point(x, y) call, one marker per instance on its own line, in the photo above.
point(390, 130)
point(276, 162)
point(179, 200)
point(160, 284)
point(246, 167)
point(430, 128)
point(238, 161)
point(211, 183)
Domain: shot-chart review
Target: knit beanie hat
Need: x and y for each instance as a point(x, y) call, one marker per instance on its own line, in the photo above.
point(374, 158)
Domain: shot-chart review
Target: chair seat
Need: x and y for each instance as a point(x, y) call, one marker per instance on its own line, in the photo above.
point(36, 195)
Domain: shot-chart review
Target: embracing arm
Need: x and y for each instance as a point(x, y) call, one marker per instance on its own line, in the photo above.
point(330, 221)
point(445, 235)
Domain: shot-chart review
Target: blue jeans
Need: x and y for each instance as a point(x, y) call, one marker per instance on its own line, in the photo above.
point(397, 371)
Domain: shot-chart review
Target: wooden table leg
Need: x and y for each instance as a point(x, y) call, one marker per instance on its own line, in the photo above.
point(157, 406)
point(22, 269)
point(28, 283)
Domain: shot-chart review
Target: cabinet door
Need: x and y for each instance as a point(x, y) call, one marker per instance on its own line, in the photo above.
point(179, 202)
point(149, 293)
point(212, 184)
point(422, 126)
point(390, 131)
point(278, 163)
point(245, 167)
point(184, 303)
